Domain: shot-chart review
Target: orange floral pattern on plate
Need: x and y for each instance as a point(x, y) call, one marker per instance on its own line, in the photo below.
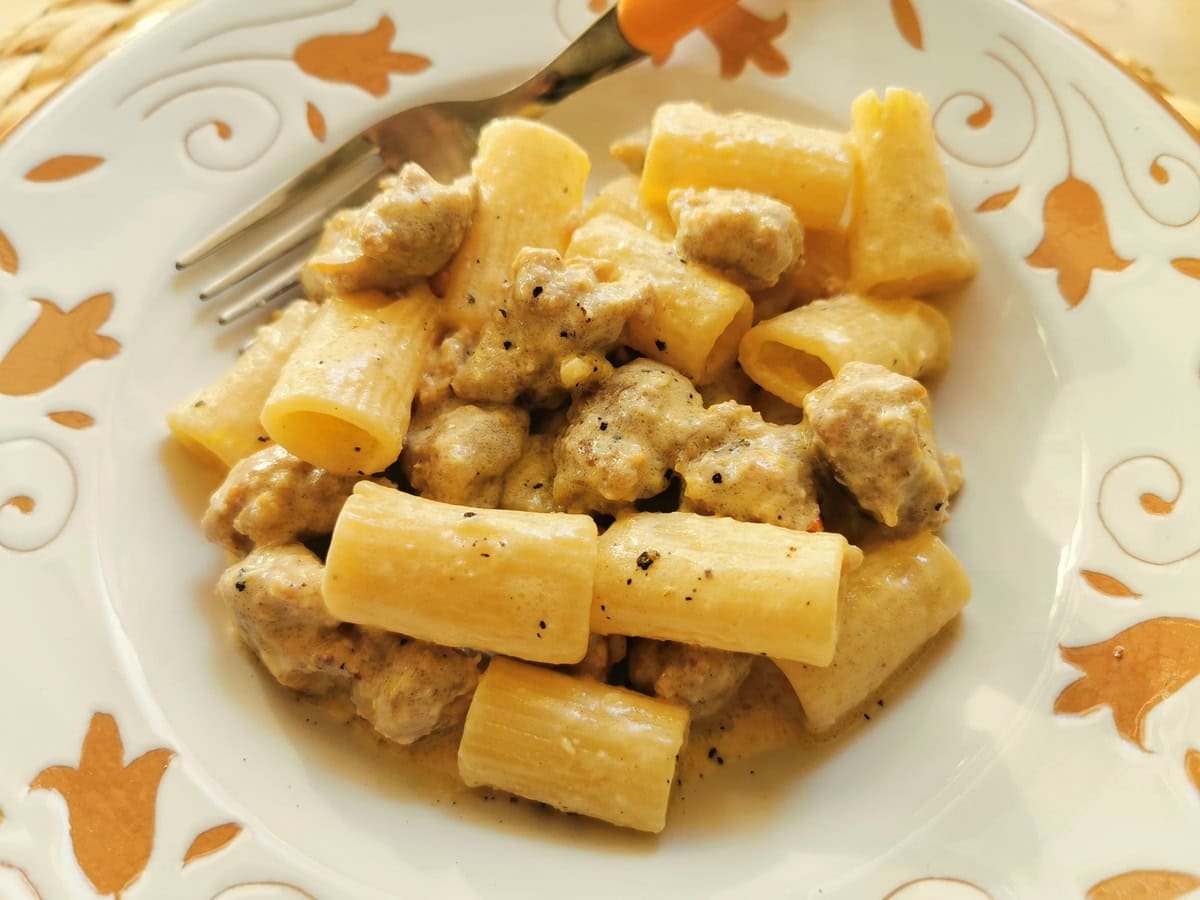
point(998, 201)
point(1191, 765)
point(57, 344)
point(364, 60)
point(22, 503)
point(740, 36)
point(9, 261)
point(1188, 266)
point(908, 23)
point(1108, 585)
point(70, 418)
point(1144, 885)
point(1132, 672)
point(316, 121)
point(110, 805)
point(1076, 240)
point(211, 841)
point(61, 168)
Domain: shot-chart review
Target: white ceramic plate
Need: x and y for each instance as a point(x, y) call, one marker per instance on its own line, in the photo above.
point(1047, 752)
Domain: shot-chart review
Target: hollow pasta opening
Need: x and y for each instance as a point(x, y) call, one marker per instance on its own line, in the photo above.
point(793, 372)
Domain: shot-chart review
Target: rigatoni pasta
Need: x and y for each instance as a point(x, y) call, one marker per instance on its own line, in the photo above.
point(221, 423)
point(530, 183)
point(622, 198)
point(716, 582)
point(807, 168)
point(902, 595)
point(503, 581)
point(698, 317)
point(797, 351)
point(711, 486)
point(580, 746)
point(343, 400)
point(904, 235)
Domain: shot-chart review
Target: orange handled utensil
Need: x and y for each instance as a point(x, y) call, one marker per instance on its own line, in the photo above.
point(655, 26)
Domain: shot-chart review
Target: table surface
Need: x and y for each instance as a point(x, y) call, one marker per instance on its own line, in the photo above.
point(1163, 34)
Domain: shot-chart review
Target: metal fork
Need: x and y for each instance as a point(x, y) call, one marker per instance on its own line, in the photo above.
point(441, 137)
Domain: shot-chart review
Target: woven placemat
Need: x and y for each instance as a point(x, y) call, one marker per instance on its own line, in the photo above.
point(46, 43)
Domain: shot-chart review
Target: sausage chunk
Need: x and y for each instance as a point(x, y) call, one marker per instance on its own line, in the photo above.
point(623, 436)
point(559, 321)
point(749, 238)
point(272, 497)
point(701, 677)
point(875, 431)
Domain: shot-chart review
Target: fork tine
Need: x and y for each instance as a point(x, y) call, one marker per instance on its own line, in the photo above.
point(345, 184)
point(348, 156)
point(272, 289)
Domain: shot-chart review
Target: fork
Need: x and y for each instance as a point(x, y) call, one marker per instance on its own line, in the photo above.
point(441, 137)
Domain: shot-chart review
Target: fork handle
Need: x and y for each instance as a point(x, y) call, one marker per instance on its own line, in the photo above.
point(653, 26)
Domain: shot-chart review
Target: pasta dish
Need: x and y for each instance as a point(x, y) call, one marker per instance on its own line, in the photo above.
point(565, 479)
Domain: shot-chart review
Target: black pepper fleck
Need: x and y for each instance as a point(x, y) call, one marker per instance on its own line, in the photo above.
point(717, 479)
point(468, 515)
point(538, 486)
point(508, 345)
point(240, 585)
point(262, 438)
point(712, 752)
point(646, 559)
point(604, 426)
point(542, 624)
point(537, 290)
point(661, 345)
point(503, 313)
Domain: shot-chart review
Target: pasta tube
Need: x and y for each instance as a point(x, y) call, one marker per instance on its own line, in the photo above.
point(717, 582)
point(581, 746)
point(344, 399)
point(622, 198)
point(503, 581)
point(220, 423)
point(698, 317)
point(531, 181)
point(900, 597)
point(807, 168)
point(800, 350)
point(904, 235)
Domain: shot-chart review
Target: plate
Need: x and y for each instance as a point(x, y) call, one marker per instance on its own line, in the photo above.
point(1050, 749)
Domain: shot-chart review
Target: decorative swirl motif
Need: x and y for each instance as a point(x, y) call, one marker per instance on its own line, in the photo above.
point(978, 113)
point(250, 128)
point(264, 890)
point(1137, 500)
point(41, 479)
point(1163, 170)
point(15, 884)
point(938, 889)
